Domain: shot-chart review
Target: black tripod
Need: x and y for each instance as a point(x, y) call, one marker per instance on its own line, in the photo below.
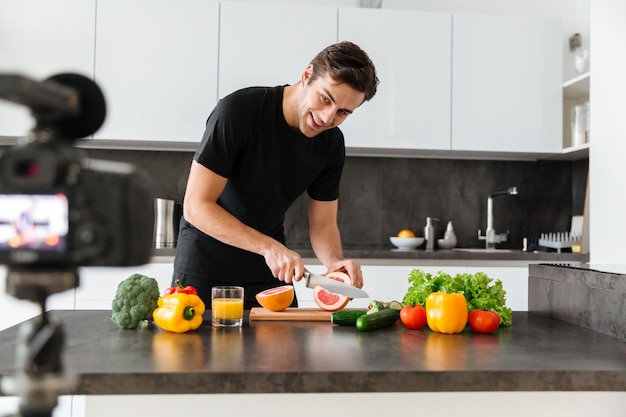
point(39, 378)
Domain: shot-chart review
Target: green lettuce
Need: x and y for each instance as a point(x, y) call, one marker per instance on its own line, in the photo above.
point(480, 291)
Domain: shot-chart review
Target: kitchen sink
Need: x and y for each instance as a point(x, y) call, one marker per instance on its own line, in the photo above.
point(485, 250)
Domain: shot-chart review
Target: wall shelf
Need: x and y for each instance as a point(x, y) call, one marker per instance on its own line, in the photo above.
point(575, 91)
point(577, 87)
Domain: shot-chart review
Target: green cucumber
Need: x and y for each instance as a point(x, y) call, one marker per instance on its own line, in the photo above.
point(346, 317)
point(378, 320)
point(395, 305)
point(374, 307)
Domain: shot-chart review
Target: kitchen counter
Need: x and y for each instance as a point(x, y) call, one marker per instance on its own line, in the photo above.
point(591, 296)
point(463, 255)
point(536, 354)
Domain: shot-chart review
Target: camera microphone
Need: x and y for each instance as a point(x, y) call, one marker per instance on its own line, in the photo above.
point(70, 104)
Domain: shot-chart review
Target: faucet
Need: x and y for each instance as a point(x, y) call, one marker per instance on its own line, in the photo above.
point(491, 237)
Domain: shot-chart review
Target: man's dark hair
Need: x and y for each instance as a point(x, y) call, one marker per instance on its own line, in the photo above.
point(348, 63)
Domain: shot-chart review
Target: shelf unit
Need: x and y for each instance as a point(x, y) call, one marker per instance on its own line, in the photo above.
point(575, 91)
point(577, 87)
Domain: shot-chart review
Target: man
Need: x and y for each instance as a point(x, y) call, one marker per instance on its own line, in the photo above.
point(262, 148)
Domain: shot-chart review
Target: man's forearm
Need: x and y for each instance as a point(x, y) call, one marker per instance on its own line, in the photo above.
point(326, 244)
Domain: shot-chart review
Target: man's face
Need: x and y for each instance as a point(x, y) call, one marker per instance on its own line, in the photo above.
point(324, 103)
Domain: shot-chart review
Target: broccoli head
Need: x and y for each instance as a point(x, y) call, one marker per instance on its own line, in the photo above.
point(135, 300)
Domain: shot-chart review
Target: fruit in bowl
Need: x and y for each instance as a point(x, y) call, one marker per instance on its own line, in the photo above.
point(406, 243)
point(406, 233)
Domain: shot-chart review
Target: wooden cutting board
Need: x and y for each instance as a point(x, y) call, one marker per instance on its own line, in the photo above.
point(291, 314)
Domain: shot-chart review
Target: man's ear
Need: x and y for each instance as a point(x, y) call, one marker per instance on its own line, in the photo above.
point(306, 74)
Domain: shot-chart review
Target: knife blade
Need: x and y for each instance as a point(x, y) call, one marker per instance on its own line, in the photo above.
point(332, 285)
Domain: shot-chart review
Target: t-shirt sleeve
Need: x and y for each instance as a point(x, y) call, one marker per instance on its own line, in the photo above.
point(326, 185)
point(221, 141)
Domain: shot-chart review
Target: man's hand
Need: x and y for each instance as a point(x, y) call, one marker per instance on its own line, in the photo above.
point(350, 267)
point(284, 263)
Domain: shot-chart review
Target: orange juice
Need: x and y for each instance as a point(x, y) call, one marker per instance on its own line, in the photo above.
point(227, 308)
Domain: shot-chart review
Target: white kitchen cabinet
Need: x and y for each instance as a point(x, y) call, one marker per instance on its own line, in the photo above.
point(390, 282)
point(381, 282)
point(467, 404)
point(14, 311)
point(412, 54)
point(514, 281)
point(506, 84)
point(98, 285)
point(156, 61)
point(39, 39)
point(270, 44)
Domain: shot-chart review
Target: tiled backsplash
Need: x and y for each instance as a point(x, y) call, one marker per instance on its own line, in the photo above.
point(380, 196)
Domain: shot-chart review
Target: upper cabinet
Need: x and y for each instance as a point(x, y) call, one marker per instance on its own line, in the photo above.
point(507, 84)
point(156, 62)
point(450, 84)
point(412, 54)
point(270, 44)
point(41, 38)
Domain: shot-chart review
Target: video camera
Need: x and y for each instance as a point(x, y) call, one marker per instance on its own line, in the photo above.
point(60, 210)
point(57, 207)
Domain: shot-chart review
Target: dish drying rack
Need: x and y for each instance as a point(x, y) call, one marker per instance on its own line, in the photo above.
point(562, 240)
point(559, 240)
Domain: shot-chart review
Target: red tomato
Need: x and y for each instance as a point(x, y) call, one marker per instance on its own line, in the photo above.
point(413, 317)
point(483, 321)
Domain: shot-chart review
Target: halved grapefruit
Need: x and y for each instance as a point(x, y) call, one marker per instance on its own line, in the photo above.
point(330, 301)
point(277, 298)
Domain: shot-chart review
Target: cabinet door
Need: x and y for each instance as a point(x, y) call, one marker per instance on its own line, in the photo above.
point(506, 84)
point(156, 61)
point(98, 285)
point(412, 53)
point(270, 44)
point(514, 281)
point(381, 282)
point(41, 38)
point(14, 311)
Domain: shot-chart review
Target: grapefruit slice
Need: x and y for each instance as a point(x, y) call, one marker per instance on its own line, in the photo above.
point(330, 301)
point(277, 298)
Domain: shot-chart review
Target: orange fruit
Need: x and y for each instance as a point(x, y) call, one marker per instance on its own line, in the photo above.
point(277, 298)
point(406, 233)
point(330, 301)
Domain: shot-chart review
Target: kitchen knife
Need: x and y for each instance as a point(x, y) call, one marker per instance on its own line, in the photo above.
point(333, 286)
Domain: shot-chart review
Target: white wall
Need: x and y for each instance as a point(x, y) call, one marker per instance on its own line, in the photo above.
point(607, 165)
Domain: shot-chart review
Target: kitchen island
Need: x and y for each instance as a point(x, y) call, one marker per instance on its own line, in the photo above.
point(535, 354)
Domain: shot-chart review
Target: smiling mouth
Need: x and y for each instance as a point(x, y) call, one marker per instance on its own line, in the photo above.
point(315, 123)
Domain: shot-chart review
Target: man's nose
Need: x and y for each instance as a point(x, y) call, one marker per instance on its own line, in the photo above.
point(328, 114)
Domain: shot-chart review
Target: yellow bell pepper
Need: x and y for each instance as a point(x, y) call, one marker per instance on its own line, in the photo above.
point(446, 313)
point(179, 312)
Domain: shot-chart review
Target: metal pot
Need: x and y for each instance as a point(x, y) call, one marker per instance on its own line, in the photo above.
point(167, 214)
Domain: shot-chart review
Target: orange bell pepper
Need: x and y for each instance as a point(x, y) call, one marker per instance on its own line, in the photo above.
point(446, 313)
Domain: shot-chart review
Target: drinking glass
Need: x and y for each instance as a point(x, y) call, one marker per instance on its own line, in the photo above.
point(227, 306)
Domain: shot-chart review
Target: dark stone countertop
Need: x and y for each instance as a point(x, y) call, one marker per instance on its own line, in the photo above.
point(535, 354)
point(457, 254)
point(591, 296)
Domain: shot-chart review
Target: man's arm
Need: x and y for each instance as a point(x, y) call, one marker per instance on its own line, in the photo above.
point(201, 209)
point(326, 240)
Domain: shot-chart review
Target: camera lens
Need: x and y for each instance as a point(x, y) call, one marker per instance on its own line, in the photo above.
point(27, 168)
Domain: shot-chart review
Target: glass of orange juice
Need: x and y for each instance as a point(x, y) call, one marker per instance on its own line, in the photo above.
point(227, 306)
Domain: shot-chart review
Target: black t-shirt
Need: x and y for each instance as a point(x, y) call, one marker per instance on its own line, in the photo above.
point(268, 165)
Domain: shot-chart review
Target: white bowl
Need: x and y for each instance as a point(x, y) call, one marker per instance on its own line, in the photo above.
point(446, 243)
point(406, 243)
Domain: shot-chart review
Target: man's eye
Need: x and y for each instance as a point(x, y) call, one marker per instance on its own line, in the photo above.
point(325, 99)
